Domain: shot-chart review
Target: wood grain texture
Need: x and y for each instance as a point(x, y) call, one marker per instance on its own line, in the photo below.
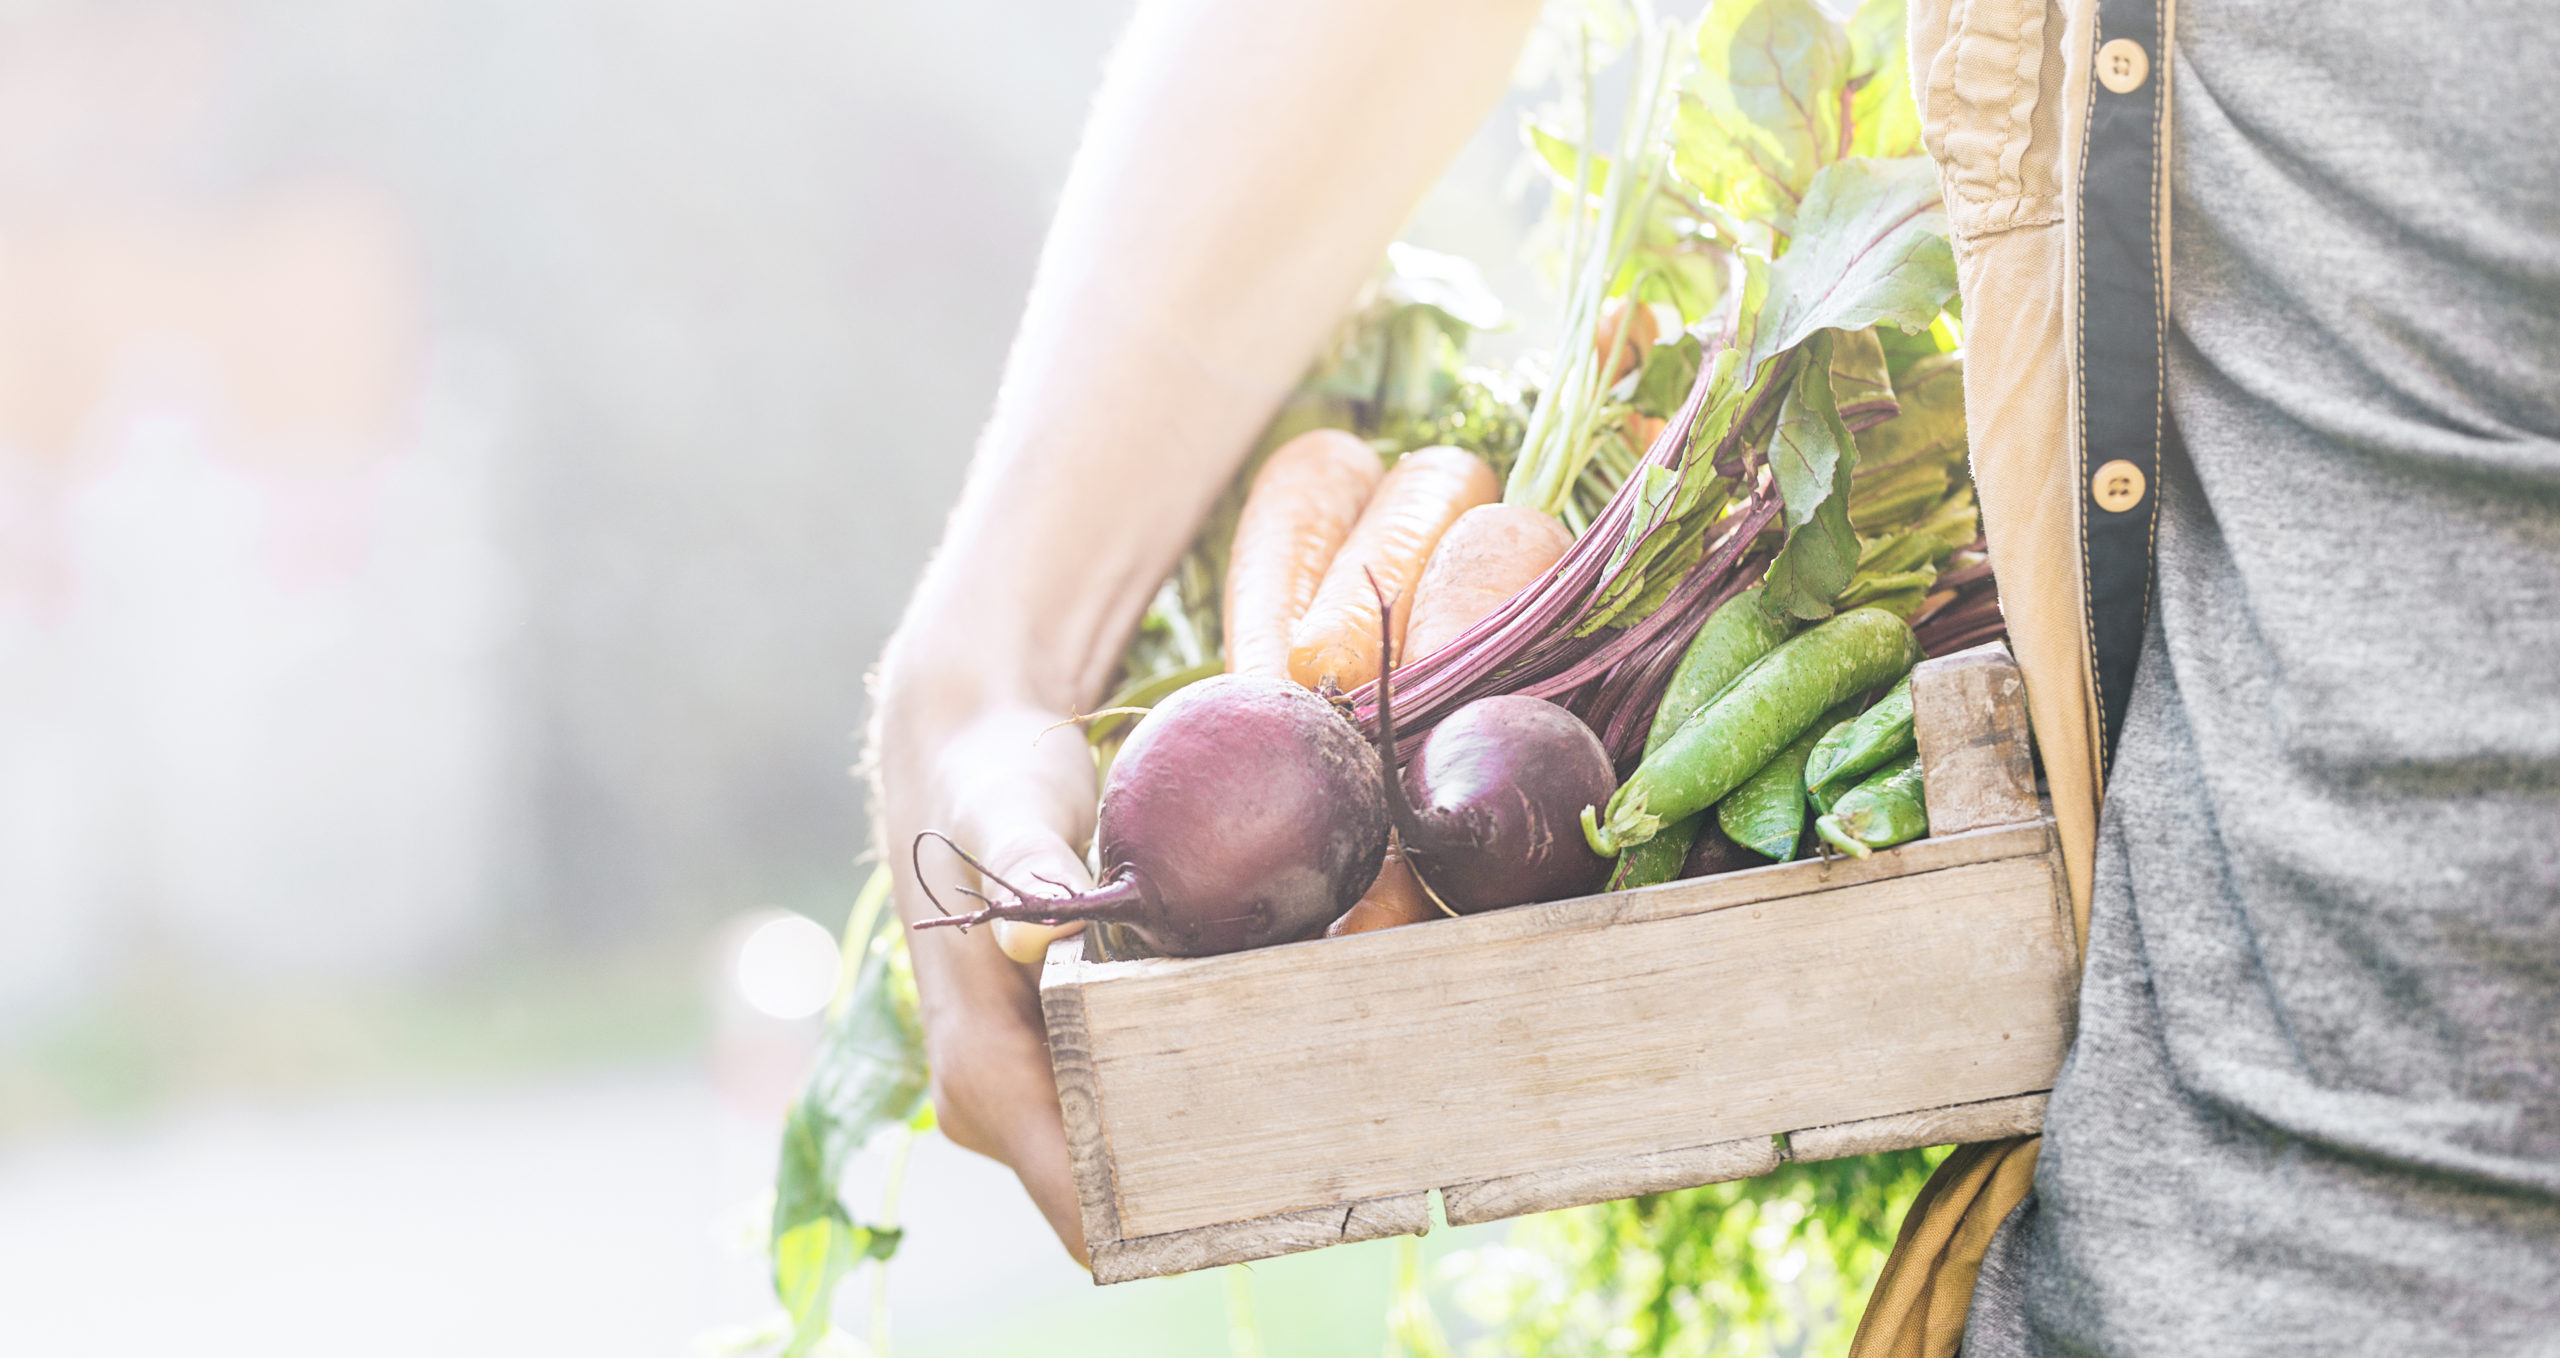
point(1232, 1108)
point(1550, 1037)
point(1240, 1242)
point(1608, 1180)
point(1755, 886)
point(1969, 716)
point(1071, 1061)
point(1990, 1120)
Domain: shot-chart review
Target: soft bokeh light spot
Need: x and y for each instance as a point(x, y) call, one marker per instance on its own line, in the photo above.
point(787, 967)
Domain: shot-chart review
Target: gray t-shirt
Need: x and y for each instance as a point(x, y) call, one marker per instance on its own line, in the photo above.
point(2315, 1102)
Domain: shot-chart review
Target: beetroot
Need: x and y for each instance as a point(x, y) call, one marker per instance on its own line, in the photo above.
point(1492, 804)
point(1489, 813)
point(1243, 810)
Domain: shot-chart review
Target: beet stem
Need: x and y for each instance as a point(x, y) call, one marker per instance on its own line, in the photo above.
point(1399, 811)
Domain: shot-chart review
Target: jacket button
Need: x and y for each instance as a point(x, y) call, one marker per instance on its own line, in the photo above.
point(2118, 486)
point(2123, 65)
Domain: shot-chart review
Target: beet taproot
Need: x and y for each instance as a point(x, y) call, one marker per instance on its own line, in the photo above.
point(1242, 811)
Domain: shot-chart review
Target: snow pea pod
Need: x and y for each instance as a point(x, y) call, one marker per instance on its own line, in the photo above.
point(1766, 813)
point(1879, 813)
point(1734, 639)
point(1760, 714)
point(1858, 748)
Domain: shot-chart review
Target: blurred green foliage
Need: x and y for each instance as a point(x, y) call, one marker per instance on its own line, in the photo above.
point(1780, 1264)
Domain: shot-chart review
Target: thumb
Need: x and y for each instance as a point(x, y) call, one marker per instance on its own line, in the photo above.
point(1033, 858)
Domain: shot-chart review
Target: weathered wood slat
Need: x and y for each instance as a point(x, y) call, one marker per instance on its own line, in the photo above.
point(1608, 1180)
point(1969, 717)
point(1263, 1238)
point(1991, 1120)
point(1071, 1061)
point(1313, 1077)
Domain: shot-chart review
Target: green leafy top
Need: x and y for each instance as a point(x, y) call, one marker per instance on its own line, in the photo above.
point(1791, 210)
point(869, 1076)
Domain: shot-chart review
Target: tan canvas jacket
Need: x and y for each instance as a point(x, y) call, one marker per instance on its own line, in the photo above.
point(2049, 121)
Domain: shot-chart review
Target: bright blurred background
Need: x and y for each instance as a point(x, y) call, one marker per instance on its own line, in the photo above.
point(457, 460)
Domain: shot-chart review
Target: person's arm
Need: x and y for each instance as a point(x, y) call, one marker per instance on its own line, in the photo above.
point(1243, 170)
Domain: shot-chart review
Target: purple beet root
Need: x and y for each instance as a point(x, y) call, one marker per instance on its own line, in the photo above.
point(1496, 793)
point(1242, 811)
point(1490, 812)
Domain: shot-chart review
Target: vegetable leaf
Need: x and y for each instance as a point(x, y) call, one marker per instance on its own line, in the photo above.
point(1870, 247)
point(870, 1076)
point(1810, 444)
point(1931, 425)
point(1763, 114)
point(1859, 382)
point(1669, 371)
point(1561, 156)
point(1883, 120)
point(1811, 457)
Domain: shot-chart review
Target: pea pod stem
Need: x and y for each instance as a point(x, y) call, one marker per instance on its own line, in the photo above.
point(1889, 808)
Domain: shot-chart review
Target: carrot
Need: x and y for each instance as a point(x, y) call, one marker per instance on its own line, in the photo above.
point(1491, 553)
point(1622, 316)
point(1337, 641)
point(1395, 898)
point(1302, 505)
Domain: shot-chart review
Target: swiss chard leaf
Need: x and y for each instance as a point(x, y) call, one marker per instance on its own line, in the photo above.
point(1870, 248)
point(1763, 112)
point(869, 1076)
point(1811, 457)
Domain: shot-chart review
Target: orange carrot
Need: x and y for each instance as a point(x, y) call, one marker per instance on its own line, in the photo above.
point(1395, 898)
point(1491, 553)
point(1621, 314)
point(1337, 641)
point(1302, 505)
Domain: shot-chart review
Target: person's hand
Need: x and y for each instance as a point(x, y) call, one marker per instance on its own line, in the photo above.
point(1016, 789)
point(1244, 167)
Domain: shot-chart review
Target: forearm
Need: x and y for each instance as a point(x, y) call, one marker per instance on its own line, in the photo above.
point(1243, 169)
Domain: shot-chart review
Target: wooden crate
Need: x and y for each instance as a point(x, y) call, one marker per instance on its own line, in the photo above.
point(1221, 1109)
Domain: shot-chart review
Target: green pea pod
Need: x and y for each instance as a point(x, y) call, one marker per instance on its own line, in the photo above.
point(1766, 813)
point(1760, 714)
point(1885, 810)
point(1859, 748)
point(1658, 859)
point(1734, 638)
